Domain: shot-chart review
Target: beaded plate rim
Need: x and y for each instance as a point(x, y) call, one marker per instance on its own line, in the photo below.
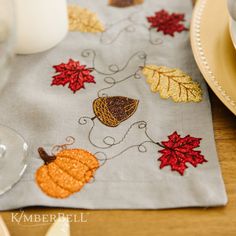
point(201, 58)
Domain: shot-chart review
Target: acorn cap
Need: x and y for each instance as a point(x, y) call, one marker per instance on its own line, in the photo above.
point(112, 111)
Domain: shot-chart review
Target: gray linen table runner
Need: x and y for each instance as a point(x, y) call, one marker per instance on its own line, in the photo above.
point(131, 119)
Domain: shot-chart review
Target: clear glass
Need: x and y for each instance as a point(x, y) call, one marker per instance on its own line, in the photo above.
point(13, 148)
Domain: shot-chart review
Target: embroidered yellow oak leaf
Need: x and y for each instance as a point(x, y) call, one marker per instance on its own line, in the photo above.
point(172, 83)
point(81, 19)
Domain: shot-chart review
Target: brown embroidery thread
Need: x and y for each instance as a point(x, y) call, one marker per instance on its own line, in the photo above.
point(124, 3)
point(112, 111)
point(130, 27)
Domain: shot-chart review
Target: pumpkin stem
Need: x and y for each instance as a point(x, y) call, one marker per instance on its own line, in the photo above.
point(93, 118)
point(45, 157)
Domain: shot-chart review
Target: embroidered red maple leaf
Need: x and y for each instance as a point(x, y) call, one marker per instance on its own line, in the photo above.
point(167, 23)
point(72, 73)
point(179, 151)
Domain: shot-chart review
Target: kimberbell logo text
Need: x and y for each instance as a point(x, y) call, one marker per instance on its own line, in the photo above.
point(21, 217)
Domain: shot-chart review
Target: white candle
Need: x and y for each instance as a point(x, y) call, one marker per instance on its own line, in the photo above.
point(232, 8)
point(40, 24)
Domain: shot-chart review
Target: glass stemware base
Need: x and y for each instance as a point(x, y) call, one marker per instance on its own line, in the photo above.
point(13, 153)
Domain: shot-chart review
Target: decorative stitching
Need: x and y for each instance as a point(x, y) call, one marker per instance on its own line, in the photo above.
point(131, 26)
point(172, 83)
point(176, 151)
point(81, 19)
point(124, 3)
point(114, 69)
point(72, 73)
point(66, 172)
point(167, 23)
point(112, 111)
point(69, 170)
point(179, 151)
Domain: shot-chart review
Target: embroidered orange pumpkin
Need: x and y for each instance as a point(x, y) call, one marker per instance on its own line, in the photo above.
point(112, 111)
point(66, 172)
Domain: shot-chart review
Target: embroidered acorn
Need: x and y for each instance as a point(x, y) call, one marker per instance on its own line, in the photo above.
point(124, 3)
point(66, 172)
point(112, 111)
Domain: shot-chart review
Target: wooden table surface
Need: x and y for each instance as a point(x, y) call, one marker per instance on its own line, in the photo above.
point(195, 221)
